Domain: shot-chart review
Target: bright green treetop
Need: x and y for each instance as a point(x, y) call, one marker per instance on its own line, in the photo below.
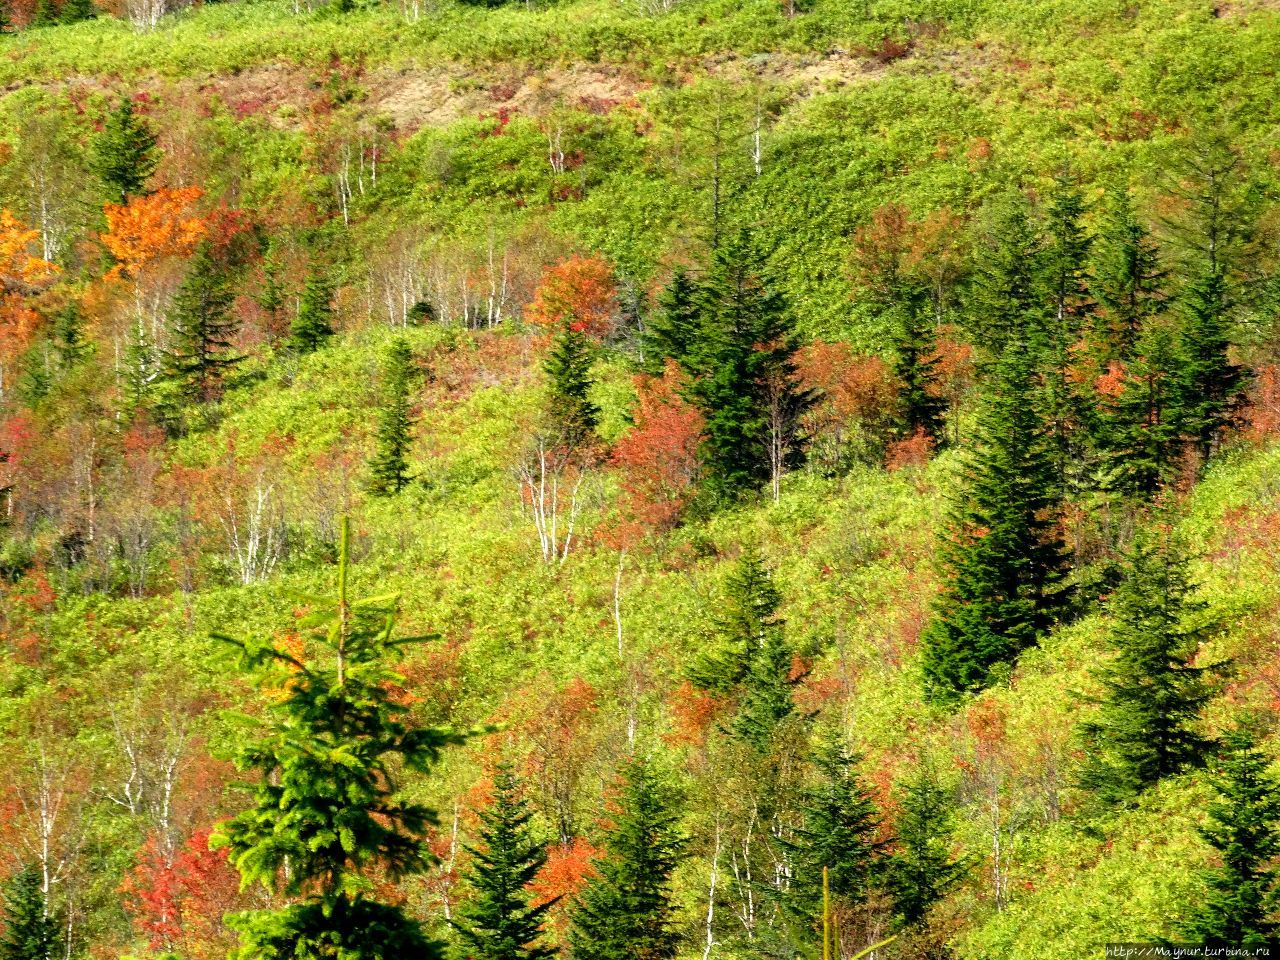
point(327, 820)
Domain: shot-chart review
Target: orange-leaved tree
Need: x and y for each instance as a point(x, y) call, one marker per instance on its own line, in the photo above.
point(579, 291)
point(658, 456)
point(22, 274)
point(149, 228)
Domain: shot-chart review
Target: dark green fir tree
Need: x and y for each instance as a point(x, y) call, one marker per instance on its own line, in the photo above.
point(1240, 905)
point(1210, 236)
point(203, 327)
point(1005, 287)
point(124, 153)
point(745, 380)
point(74, 11)
point(1127, 280)
point(752, 659)
point(1147, 723)
point(922, 867)
point(68, 336)
point(1140, 425)
point(915, 362)
point(497, 921)
point(628, 910)
point(568, 370)
point(898, 279)
point(839, 831)
point(673, 330)
point(313, 326)
point(328, 824)
point(29, 932)
point(1064, 262)
point(1004, 561)
point(1211, 384)
point(389, 466)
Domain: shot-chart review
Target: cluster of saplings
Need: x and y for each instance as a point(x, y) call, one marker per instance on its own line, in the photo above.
point(176, 383)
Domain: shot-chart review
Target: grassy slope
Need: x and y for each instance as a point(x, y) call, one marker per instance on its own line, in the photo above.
point(852, 562)
point(852, 555)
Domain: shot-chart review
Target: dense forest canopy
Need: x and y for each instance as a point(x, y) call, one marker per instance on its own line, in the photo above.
point(735, 479)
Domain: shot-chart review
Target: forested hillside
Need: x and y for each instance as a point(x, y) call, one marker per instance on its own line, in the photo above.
point(600, 479)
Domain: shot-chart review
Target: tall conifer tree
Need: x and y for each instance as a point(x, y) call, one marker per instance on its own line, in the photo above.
point(1127, 279)
point(1141, 427)
point(124, 153)
point(628, 910)
point(744, 366)
point(752, 659)
point(1147, 724)
point(892, 265)
point(203, 326)
point(1244, 829)
point(922, 868)
point(1210, 235)
point(1004, 560)
point(568, 370)
point(389, 467)
point(497, 922)
point(1005, 288)
point(313, 326)
point(29, 931)
point(328, 822)
point(839, 831)
point(672, 332)
point(1064, 263)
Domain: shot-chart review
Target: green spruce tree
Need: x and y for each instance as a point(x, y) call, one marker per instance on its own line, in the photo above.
point(1211, 384)
point(744, 370)
point(389, 467)
point(1210, 236)
point(628, 910)
point(673, 330)
point(568, 370)
point(1244, 828)
point(1004, 561)
point(922, 868)
point(67, 334)
point(328, 822)
point(124, 153)
point(1127, 280)
point(1140, 428)
point(915, 363)
point(896, 275)
point(1064, 262)
point(1005, 302)
point(203, 326)
point(75, 11)
point(29, 931)
point(752, 659)
point(1146, 727)
point(497, 922)
point(313, 326)
point(839, 831)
